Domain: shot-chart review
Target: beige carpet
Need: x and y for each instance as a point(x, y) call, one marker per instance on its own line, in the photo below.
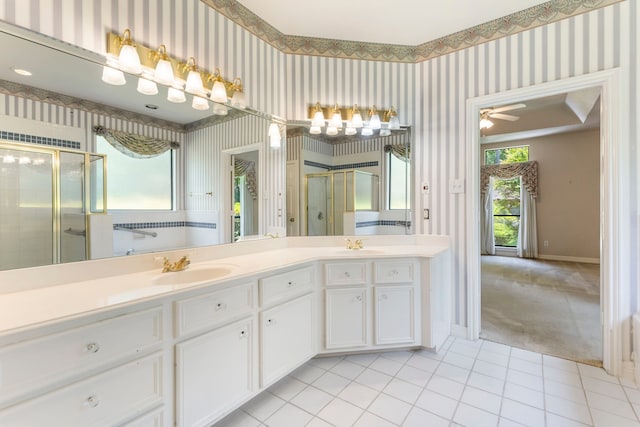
point(551, 307)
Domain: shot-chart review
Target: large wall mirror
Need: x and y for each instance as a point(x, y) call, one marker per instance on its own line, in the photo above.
point(348, 185)
point(57, 108)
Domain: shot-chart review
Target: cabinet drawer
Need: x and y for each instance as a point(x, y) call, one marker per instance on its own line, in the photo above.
point(212, 309)
point(284, 286)
point(393, 272)
point(103, 400)
point(352, 273)
point(153, 419)
point(43, 361)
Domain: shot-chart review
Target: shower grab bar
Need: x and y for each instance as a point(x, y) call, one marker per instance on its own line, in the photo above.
point(134, 230)
point(75, 232)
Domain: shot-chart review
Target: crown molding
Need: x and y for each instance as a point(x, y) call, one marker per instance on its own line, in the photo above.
point(542, 14)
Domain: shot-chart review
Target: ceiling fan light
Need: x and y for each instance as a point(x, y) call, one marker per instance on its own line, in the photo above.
point(485, 123)
point(176, 95)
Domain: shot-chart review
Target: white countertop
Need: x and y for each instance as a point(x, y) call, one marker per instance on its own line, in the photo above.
point(102, 289)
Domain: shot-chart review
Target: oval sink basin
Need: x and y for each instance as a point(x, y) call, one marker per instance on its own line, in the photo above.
point(192, 275)
point(359, 251)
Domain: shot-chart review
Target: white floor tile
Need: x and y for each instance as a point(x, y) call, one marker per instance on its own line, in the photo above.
point(558, 363)
point(423, 363)
point(363, 359)
point(633, 394)
point(308, 373)
point(359, 395)
point(432, 354)
point(464, 348)
point(495, 358)
point(390, 408)
point(469, 416)
point(504, 422)
point(554, 420)
point(369, 420)
point(525, 366)
point(522, 413)
point(605, 419)
point(446, 386)
point(598, 373)
point(490, 369)
point(331, 383)
point(318, 422)
point(458, 360)
point(414, 375)
point(571, 378)
point(386, 366)
point(482, 399)
point(340, 413)
point(524, 395)
point(453, 372)
point(565, 391)
point(421, 418)
point(287, 388)
point(437, 404)
point(325, 363)
point(604, 387)
point(311, 399)
point(347, 369)
point(397, 356)
point(495, 347)
point(290, 416)
point(374, 379)
point(238, 418)
point(527, 355)
point(403, 390)
point(263, 406)
point(567, 409)
point(533, 382)
point(483, 382)
point(608, 404)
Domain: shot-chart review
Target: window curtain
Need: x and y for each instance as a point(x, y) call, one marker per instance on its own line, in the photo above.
point(527, 231)
point(487, 243)
point(136, 146)
point(400, 151)
point(248, 169)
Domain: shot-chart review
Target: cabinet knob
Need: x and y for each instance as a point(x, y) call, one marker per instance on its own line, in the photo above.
point(290, 283)
point(271, 322)
point(92, 401)
point(347, 274)
point(394, 272)
point(243, 334)
point(93, 347)
point(359, 298)
point(383, 296)
point(220, 306)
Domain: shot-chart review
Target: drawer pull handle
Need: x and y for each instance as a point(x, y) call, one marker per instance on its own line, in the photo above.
point(93, 347)
point(394, 272)
point(92, 401)
point(347, 274)
point(220, 306)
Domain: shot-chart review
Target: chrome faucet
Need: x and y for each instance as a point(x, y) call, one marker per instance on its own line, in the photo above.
point(354, 245)
point(179, 265)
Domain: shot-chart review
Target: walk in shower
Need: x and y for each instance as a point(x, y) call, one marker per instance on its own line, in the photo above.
point(46, 195)
point(329, 195)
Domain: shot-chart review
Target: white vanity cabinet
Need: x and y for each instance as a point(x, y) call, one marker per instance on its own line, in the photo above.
point(215, 369)
point(370, 304)
point(287, 322)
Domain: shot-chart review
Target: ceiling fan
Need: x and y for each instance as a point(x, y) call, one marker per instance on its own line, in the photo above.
point(496, 113)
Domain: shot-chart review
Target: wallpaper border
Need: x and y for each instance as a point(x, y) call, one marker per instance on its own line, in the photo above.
point(532, 17)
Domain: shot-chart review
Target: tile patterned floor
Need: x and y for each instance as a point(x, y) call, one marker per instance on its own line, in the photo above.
point(475, 384)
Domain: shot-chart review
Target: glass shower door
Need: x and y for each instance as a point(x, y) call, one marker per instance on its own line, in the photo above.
point(27, 208)
point(319, 205)
point(73, 223)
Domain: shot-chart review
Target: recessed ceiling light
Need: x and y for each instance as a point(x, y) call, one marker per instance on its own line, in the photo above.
point(151, 106)
point(22, 72)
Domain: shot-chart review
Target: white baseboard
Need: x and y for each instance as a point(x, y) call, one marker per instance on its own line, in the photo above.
point(569, 259)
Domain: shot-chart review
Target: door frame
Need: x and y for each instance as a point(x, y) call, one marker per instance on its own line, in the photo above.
point(615, 226)
point(227, 186)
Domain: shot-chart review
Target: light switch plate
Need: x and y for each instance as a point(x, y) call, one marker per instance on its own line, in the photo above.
point(456, 186)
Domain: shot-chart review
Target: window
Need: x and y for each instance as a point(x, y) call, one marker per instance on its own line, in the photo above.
point(140, 184)
point(398, 173)
point(506, 195)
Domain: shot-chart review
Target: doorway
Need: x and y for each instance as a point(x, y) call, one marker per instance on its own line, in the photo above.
point(615, 229)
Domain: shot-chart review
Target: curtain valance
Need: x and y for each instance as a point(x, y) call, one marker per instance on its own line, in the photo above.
point(137, 146)
point(527, 170)
point(400, 151)
point(248, 169)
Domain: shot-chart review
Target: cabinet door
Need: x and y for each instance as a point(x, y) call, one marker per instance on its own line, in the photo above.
point(213, 373)
point(394, 314)
point(346, 317)
point(287, 334)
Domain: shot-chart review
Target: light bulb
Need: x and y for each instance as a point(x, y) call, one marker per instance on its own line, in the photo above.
point(218, 92)
point(146, 86)
point(318, 116)
point(374, 119)
point(176, 95)
point(485, 123)
point(199, 103)
point(110, 72)
point(336, 118)
point(194, 83)
point(238, 100)
point(129, 60)
point(356, 118)
point(164, 73)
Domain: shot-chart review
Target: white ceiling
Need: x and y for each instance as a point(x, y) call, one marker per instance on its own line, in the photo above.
point(404, 22)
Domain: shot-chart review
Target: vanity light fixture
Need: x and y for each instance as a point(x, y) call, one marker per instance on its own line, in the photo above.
point(110, 72)
point(366, 131)
point(128, 59)
point(220, 110)
point(374, 119)
point(315, 130)
point(392, 118)
point(194, 79)
point(199, 103)
point(318, 116)
point(356, 117)
point(274, 135)
point(336, 118)
point(164, 70)
point(218, 90)
point(146, 86)
point(176, 95)
point(238, 100)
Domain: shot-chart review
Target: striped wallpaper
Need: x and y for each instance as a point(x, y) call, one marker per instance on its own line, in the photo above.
point(431, 95)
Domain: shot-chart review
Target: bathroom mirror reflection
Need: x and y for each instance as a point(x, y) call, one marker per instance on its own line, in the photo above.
point(348, 185)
